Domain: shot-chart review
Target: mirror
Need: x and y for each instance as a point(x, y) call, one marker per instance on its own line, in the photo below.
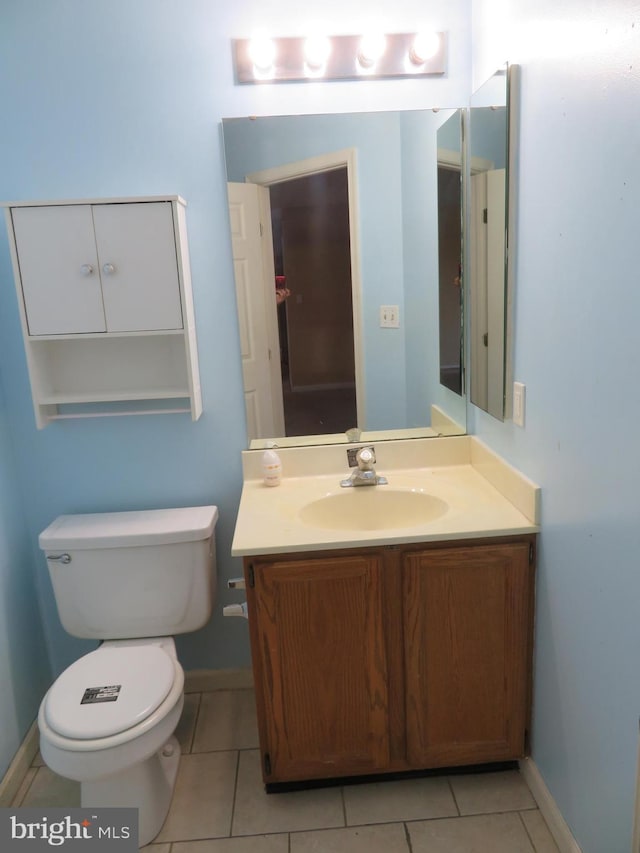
point(338, 299)
point(490, 261)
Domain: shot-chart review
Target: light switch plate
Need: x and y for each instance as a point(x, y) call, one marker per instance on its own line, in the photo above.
point(389, 317)
point(518, 403)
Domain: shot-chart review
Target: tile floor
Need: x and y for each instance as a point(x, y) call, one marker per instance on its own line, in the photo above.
point(219, 805)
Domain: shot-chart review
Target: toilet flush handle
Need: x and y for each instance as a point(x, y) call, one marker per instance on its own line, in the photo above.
point(59, 558)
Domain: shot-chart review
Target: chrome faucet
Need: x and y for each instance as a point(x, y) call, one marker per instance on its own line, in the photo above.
point(364, 474)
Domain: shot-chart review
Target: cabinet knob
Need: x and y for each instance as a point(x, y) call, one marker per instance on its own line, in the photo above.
point(108, 269)
point(86, 269)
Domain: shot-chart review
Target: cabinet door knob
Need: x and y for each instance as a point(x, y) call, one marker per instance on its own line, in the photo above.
point(86, 269)
point(108, 269)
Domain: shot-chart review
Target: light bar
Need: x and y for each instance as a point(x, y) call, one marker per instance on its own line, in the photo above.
point(313, 58)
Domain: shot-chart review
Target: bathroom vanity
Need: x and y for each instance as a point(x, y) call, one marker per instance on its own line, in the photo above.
point(386, 643)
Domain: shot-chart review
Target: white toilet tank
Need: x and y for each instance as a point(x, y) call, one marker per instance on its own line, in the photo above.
point(122, 575)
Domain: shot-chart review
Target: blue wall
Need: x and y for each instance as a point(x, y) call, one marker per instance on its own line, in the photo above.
point(25, 672)
point(577, 304)
point(112, 98)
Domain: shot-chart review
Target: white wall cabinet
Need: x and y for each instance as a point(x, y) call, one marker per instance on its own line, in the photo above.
point(104, 290)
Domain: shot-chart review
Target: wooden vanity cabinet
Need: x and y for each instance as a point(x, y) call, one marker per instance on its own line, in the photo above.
point(396, 658)
point(320, 665)
point(467, 627)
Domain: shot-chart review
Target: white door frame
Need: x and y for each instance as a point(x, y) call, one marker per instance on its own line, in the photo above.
point(328, 162)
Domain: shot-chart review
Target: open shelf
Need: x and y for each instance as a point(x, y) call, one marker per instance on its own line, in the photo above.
point(89, 336)
point(92, 397)
point(61, 411)
point(82, 371)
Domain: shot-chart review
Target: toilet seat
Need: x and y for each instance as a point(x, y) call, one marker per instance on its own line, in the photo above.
point(109, 691)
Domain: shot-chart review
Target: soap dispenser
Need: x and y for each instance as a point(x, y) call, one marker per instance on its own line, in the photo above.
point(271, 468)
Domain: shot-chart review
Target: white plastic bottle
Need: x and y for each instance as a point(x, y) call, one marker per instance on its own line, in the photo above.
point(271, 468)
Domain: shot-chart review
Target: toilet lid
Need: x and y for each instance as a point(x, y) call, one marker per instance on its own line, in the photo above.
point(108, 691)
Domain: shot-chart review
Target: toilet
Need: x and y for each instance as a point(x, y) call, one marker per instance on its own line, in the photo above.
point(131, 580)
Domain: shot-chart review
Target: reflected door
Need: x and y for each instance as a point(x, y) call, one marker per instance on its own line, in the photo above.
point(254, 289)
point(488, 291)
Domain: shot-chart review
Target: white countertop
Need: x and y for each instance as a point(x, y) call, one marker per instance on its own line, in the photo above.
point(485, 496)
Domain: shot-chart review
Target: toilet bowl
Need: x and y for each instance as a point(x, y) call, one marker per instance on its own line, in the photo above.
point(108, 722)
point(131, 580)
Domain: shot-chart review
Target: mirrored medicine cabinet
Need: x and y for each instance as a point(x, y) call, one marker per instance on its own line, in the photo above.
point(347, 235)
point(491, 147)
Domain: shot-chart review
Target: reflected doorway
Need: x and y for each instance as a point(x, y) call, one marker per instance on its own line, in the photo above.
point(312, 263)
point(450, 276)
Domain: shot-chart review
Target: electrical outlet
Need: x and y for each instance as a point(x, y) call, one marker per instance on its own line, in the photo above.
point(389, 317)
point(518, 403)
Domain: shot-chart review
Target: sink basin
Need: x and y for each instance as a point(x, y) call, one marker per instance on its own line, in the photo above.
point(372, 508)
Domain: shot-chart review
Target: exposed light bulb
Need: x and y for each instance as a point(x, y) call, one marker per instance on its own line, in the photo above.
point(262, 52)
point(317, 50)
point(372, 47)
point(425, 46)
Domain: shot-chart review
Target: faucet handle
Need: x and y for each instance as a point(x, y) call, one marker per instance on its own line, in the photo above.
point(364, 474)
point(365, 458)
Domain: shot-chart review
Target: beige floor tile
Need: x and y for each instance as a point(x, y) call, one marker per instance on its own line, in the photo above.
point(482, 793)
point(247, 844)
point(203, 799)
point(29, 776)
point(390, 838)
point(492, 833)
point(257, 812)
point(402, 799)
point(187, 724)
point(539, 832)
point(49, 789)
point(227, 720)
point(157, 848)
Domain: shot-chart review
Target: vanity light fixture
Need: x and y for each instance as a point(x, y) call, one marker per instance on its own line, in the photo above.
point(372, 49)
point(262, 53)
point(425, 46)
point(321, 57)
point(317, 50)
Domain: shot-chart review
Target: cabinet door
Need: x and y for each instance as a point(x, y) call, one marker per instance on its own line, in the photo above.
point(467, 653)
point(320, 665)
point(138, 266)
point(58, 269)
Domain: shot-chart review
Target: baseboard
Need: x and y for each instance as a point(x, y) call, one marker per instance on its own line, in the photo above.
point(17, 770)
point(204, 680)
point(635, 843)
point(558, 826)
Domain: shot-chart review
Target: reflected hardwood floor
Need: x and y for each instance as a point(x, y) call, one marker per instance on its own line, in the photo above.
point(319, 412)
